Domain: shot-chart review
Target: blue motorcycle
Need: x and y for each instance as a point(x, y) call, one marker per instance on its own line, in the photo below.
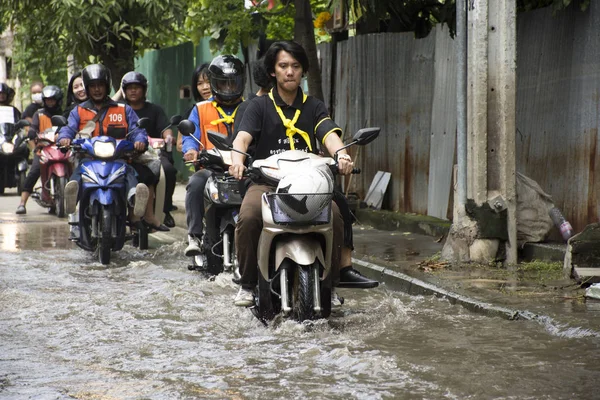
point(103, 207)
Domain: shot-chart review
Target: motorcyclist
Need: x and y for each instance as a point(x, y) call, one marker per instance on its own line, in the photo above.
point(51, 105)
point(7, 94)
point(227, 79)
point(285, 119)
point(134, 86)
point(111, 119)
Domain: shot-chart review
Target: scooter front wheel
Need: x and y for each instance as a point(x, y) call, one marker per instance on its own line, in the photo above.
point(105, 240)
point(302, 298)
point(59, 183)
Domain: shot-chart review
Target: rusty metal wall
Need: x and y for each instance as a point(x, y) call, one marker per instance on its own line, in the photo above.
point(395, 81)
point(558, 92)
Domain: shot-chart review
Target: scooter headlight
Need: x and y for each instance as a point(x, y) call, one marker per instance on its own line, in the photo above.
point(8, 147)
point(104, 149)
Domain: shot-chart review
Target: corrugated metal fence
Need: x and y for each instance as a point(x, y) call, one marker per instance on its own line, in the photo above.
point(407, 87)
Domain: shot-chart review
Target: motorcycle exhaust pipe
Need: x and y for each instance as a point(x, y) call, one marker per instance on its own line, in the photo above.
point(285, 302)
point(316, 289)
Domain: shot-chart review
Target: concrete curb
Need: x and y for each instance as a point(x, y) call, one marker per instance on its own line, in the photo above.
point(415, 287)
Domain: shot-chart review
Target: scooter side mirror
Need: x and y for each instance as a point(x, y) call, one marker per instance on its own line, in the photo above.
point(218, 140)
point(175, 120)
point(366, 135)
point(186, 127)
point(22, 123)
point(143, 123)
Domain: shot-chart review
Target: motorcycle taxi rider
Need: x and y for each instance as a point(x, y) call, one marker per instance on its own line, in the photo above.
point(227, 79)
point(112, 119)
point(51, 105)
point(306, 120)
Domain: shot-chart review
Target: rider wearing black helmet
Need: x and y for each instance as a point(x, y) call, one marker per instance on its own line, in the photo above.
point(134, 86)
point(51, 105)
point(227, 79)
point(6, 97)
point(108, 118)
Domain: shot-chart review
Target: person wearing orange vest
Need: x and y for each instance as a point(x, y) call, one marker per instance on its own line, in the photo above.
point(112, 119)
point(218, 113)
point(51, 105)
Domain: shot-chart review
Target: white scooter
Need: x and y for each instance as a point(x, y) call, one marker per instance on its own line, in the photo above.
point(295, 245)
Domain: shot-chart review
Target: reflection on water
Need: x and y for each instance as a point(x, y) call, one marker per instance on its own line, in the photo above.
point(145, 327)
point(15, 237)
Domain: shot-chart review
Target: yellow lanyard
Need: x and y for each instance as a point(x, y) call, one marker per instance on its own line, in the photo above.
point(291, 130)
point(228, 119)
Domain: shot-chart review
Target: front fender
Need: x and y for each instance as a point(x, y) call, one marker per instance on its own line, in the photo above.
point(104, 196)
point(301, 249)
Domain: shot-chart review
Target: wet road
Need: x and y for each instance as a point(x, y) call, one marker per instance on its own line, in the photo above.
point(145, 327)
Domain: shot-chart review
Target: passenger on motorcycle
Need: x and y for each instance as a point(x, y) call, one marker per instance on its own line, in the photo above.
point(36, 101)
point(107, 118)
point(76, 93)
point(285, 119)
point(227, 79)
point(51, 105)
point(7, 94)
point(134, 86)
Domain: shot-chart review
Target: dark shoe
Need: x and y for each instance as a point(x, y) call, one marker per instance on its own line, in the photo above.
point(153, 228)
point(174, 208)
point(169, 221)
point(351, 278)
point(21, 210)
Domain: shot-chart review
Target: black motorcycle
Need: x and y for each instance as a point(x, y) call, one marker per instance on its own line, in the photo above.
point(13, 155)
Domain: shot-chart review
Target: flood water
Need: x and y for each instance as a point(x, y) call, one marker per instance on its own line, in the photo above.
point(145, 327)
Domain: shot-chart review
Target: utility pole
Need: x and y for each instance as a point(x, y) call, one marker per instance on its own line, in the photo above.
point(484, 226)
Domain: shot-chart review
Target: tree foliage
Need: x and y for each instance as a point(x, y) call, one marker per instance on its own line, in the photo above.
point(113, 32)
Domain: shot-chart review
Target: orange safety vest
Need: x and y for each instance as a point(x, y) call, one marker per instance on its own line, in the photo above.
point(45, 121)
point(207, 113)
point(114, 120)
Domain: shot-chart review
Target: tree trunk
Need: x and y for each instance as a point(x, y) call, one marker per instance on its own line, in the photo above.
point(305, 35)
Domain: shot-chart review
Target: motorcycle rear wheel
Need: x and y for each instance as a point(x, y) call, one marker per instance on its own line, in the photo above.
point(59, 183)
point(105, 240)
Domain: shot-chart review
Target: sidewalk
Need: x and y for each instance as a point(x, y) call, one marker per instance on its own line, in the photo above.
point(402, 251)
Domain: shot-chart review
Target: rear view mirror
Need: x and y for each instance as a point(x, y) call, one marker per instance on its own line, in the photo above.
point(186, 127)
point(176, 119)
point(366, 135)
point(23, 123)
point(218, 140)
point(143, 122)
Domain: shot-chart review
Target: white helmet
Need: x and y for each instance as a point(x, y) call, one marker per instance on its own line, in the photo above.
point(305, 194)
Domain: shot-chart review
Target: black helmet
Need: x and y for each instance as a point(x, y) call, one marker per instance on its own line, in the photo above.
point(227, 78)
point(134, 77)
point(52, 92)
point(93, 73)
point(10, 93)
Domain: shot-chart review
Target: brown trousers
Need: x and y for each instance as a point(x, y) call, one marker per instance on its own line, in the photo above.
point(249, 226)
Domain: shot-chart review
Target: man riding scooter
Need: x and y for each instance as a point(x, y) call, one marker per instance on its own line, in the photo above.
point(98, 116)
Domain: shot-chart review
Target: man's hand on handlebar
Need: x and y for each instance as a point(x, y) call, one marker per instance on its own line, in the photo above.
point(237, 171)
point(65, 142)
point(345, 166)
point(139, 146)
point(190, 155)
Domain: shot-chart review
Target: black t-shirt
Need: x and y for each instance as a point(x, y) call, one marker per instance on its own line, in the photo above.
point(158, 119)
point(30, 110)
point(264, 124)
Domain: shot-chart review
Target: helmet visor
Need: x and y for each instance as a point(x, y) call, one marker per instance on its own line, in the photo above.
point(230, 87)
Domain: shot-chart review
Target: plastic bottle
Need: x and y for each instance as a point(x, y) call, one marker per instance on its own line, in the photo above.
point(566, 230)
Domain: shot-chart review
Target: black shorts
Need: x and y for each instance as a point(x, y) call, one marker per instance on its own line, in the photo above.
point(145, 174)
